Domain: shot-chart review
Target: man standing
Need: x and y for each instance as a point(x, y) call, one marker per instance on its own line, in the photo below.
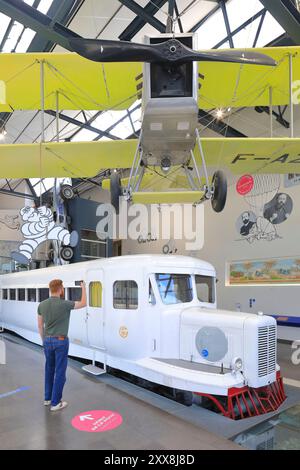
point(53, 324)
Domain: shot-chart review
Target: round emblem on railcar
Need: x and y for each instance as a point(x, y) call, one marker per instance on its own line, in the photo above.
point(123, 331)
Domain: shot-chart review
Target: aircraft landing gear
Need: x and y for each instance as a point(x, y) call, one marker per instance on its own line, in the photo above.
point(66, 253)
point(219, 195)
point(115, 191)
point(67, 192)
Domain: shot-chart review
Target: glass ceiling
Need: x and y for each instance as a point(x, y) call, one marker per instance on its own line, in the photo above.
point(122, 124)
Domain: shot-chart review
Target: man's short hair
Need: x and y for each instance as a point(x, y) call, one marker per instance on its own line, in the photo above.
point(55, 285)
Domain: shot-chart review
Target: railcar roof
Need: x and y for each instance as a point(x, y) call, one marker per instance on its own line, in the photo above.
point(150, 261)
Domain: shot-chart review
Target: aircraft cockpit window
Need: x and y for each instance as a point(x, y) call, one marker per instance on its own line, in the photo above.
point(175, 288)
point(205, 287)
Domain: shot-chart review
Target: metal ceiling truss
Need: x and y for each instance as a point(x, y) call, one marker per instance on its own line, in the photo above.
point(51, 31)
point(143, 13)
point(82, 125)
point(287, 15)
point(138, 23)
point(230, 36)
point(43, 24)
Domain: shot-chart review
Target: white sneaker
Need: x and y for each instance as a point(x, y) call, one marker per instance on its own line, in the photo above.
point(47, 402)
point(60, 406)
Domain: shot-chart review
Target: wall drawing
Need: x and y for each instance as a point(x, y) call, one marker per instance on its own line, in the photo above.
point(268, 207)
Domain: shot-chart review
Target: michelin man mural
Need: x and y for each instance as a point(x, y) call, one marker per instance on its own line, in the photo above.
point(38, 227)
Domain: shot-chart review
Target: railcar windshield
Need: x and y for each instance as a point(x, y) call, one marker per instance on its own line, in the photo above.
point(205, 287)
point(174, 288)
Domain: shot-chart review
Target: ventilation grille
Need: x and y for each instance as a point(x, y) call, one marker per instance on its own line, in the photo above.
point(266, 350)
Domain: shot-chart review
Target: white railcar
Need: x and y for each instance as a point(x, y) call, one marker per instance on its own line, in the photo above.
point(156, 317)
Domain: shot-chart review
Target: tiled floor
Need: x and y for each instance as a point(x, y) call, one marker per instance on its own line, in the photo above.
point(26, 424)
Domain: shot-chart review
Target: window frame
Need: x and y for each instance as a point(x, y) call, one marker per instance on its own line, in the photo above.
point(190, 275)
point(213, 289)
point(126, 307)
point(101, 294)
point(27, 292)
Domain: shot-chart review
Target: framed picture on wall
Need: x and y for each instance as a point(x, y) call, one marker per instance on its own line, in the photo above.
point(271, 271)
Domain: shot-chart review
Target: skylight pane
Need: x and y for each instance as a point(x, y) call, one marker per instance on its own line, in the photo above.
point(239, 12)
point(246, 37)
point(269, 31)
point(107, 119)
point(13, 37)
point(25, 41)
point(123, 130)
point(4, 21)
point(212, 31)
point(84, 136)
point(48, 183)
point(44, 6)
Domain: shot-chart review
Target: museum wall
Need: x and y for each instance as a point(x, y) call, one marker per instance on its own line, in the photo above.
point(223, 243)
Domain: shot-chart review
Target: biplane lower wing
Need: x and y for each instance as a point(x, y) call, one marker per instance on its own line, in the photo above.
point(86, 159)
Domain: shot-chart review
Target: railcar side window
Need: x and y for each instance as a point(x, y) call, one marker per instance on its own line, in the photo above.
point(95, 294)
point(4, 294)
point(43, 294)
point(21, 294)
point(12, 294)
point(205, 288)
point(175, 288)
point(125, 295)
point(31, 295)
point(74, 293)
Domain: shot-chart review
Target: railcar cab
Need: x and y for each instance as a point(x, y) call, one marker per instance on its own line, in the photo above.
point(144, 302)
point(177, 288)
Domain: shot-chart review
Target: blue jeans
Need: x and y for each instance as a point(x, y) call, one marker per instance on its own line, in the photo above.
point(56, 353)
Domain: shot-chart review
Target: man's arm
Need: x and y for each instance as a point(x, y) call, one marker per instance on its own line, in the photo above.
point(82, 302)
point(41, 326)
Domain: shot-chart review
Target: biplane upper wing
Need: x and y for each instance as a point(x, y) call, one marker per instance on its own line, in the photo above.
point(81, 84)
point(84, 84)
point(245, 85)
point(86, 159)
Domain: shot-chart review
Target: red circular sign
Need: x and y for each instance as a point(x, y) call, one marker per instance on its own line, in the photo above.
point(245, 184)
point(97, 421)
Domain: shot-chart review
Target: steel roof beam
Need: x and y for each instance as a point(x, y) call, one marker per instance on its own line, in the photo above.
point(43, 24)
point(138, 23)
point(82, 125)
point(287, 15)
point(148, 18)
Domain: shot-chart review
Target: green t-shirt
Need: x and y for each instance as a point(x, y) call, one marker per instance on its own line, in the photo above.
point(56, 315)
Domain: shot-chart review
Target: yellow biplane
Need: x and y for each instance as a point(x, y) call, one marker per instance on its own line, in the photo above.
point(110, 75)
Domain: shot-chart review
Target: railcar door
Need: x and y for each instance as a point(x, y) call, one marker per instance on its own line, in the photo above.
point(95, 309)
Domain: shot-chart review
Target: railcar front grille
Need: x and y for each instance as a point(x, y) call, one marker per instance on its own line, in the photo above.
point(266, 350)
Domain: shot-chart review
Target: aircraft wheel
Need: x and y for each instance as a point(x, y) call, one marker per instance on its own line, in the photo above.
point(67, 192)
point(220, 191)
point(66, 253)
point(115, 191)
